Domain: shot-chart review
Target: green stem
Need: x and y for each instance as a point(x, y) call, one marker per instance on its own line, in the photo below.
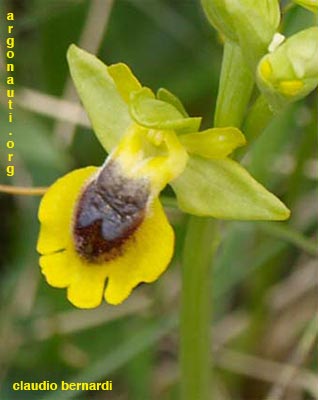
point(257, 119)
point(236, 85)
point(199, 247)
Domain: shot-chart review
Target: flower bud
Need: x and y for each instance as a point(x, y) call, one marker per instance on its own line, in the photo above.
point(250, 23)
point(311, 5)
point(290, 72)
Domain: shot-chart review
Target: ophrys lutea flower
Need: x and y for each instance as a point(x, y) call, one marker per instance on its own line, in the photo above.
point(107, 223)
point(103, 230)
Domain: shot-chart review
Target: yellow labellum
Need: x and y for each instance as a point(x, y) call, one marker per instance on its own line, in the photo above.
point(143, 257)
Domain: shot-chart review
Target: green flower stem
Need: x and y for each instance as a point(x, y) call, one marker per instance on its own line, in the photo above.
point(236, 85)
point(257, 119)
point(195, 348)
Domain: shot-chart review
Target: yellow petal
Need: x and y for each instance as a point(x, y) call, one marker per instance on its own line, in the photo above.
point(57, 269)
point(86, 291)
point(144, 258)
point(88, 282)
point(85, 281)
point(214, 142)
point(56, 210)
point(124, 79)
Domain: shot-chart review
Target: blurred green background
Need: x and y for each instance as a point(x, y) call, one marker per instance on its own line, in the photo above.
point(265, 281)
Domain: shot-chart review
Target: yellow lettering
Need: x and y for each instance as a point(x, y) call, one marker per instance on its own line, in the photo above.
point(10, 144)
point(16, 386)
point(104, 385)
point(10, 169)
point(10, 42)
point(10, 67)
point(10, 92)
point(10, 54)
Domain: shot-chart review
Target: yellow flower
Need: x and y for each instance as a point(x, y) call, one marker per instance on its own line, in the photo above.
point(103, 230)
point(290, 71)
point(107, 224)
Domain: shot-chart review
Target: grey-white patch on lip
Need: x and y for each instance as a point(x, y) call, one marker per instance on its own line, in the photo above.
point(109, 210)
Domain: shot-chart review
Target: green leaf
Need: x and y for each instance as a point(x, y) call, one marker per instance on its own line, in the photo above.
point(147, 111)
point(168, 97)
point(104, 105)
point(224, 189)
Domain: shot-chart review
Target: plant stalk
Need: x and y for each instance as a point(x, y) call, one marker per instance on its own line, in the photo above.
point(195, 348)
point(236, 85)
point(258, 118)
point(235, 88)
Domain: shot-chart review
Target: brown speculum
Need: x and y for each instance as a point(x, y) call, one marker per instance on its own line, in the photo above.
point(109, 210)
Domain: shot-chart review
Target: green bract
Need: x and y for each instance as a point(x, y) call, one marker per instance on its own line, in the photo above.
point(250, 23)
point(211, 184)
point(291, 71)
